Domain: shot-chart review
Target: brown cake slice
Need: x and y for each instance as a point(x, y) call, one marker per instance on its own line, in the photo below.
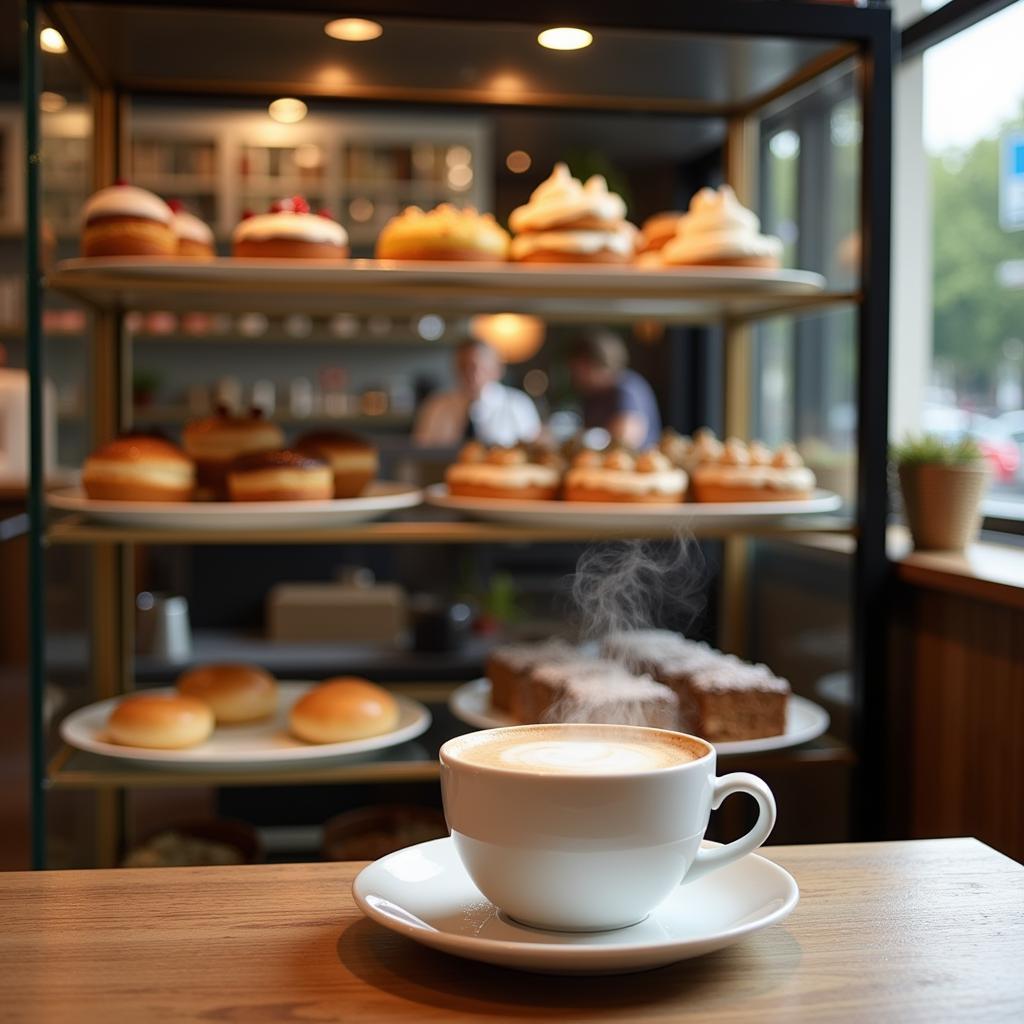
point(720, 696)
point(601, 692)
point(730, 699)
point(509, 666)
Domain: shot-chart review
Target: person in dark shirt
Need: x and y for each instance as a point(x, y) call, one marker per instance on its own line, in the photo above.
point(614, 397)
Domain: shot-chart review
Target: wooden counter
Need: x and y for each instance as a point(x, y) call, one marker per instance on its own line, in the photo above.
point(921, 931)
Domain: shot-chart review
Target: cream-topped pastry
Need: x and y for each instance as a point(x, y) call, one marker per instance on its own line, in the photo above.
point(567, 221)
point(616, 475)
point(613, 242)
point(122, 220)
point(753, 473)
point(719, 230)
point(444, 233)
point(290, 231)
point(657, 230)
point(195, 239)
point(498, 472)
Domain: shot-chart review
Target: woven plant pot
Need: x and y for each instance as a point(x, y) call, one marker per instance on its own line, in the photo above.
point(942, 504)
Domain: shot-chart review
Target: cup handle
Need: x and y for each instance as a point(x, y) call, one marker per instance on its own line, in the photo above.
point(708, 859)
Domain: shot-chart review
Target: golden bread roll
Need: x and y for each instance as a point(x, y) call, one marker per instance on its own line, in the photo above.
point(160, 721)
point(138, 467)
point(214, 442)
point(353, 461)
point(343, 709)
point(235, 693)
point(280, 476)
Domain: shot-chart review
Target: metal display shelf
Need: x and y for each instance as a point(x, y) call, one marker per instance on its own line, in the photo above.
point(671, 64)
point(319, 287)
point(75, 530)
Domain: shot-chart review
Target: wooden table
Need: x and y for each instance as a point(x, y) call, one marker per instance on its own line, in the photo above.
point(893, 932)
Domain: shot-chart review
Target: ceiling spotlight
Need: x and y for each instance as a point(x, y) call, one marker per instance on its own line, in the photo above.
point(51, 102)
point(518, 161)
point(354, 30)
point(52, 41)
point(287, 110)
point(565, 38)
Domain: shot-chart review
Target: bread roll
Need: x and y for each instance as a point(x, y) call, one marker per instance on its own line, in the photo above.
point(235, 693)
point(160, 721)
point(343, 709)
point(139, 467)
point(280, 476)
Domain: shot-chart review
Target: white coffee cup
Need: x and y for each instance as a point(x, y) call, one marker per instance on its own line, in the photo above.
point(593, 849)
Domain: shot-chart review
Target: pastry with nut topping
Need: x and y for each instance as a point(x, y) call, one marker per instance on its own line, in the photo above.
point(444, 233)
point(753, 472)
point(617, 476)
point(518, 473)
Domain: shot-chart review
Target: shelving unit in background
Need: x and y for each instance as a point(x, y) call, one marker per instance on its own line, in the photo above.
point(729, 60)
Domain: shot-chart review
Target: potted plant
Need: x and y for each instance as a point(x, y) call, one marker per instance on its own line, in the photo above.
point(942, 484)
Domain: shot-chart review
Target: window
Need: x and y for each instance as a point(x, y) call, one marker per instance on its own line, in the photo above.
point(971, 133)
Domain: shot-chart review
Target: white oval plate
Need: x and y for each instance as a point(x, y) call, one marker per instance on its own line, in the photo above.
point(356, 274)
point(424, 893)
point(381, 497)
point(624, 515)
point(266, 744)
point(805, 720)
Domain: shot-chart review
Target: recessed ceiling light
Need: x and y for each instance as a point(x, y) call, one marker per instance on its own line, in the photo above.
point(354, 30)
point(287, 110)
point(52, 41)
point(518, 161)
point(565, 38)
point(51, 102)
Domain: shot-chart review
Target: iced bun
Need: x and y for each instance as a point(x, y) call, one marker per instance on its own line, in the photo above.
point(343, 709)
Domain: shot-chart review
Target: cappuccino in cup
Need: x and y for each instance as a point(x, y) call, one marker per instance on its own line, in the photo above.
point(536, 749)
point(587, 827)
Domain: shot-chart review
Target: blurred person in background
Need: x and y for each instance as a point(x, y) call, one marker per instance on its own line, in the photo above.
point(479, 407)
point(614, 398)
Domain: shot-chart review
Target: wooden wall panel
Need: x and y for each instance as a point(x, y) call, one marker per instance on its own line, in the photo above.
point(962, 682)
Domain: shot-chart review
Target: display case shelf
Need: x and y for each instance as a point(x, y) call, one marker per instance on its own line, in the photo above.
point(75, 530)
point(574, 293)
point(410, 762)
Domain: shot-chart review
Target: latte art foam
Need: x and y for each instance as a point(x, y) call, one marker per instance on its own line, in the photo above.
point(554, 756)
point(534, 752)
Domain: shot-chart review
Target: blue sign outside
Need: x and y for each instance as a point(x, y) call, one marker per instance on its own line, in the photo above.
point(1011, 182)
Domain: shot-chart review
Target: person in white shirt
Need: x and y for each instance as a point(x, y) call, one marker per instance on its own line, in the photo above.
point(480, 407)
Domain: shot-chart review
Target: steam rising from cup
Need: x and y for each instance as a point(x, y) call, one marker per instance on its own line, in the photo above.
point(633, 585)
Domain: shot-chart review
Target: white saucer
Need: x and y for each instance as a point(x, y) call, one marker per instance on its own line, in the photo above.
point(424, 893)
point(805, 720)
